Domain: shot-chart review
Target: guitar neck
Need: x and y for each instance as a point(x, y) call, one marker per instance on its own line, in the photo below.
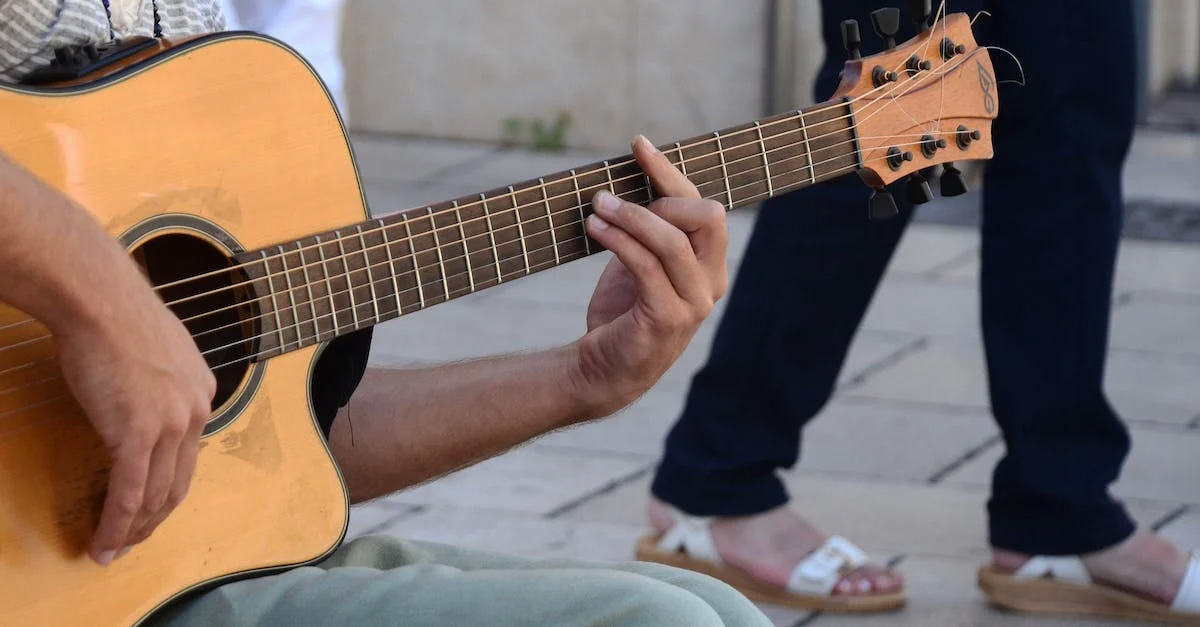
point(320, 287)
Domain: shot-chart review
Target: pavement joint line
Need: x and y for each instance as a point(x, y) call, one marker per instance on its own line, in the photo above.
point(1122, 299)
point(1170, 517)
point(914, 405)
point(885, 362)
point(567, 507)
point(971, 454)
point(1164, 296)
point(1161, 426)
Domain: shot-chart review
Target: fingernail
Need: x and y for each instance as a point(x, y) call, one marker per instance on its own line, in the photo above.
point(864, 585)
point(843, 586)
point(123, 552)
point(106, 557)
point(641, 139)
point(607, 203)
point(597, 223)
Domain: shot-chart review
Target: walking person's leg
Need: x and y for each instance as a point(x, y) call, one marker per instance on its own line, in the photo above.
point(1052, 221)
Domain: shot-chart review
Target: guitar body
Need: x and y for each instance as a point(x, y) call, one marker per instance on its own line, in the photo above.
point(190, 155)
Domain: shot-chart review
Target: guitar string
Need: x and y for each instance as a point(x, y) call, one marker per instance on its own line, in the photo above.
point(883, 104)
point(617, 164)
point(455, 293)
point(678, 148)
point(450, 246)
point(909, 83)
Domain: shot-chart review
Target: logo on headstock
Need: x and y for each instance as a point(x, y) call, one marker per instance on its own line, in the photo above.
point(987, 83)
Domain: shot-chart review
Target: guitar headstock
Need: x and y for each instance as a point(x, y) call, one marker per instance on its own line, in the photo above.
point(929, 101)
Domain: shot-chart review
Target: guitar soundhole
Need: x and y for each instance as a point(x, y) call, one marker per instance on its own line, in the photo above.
point(204, 289)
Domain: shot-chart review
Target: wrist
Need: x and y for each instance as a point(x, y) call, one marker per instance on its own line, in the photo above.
point(594, 392)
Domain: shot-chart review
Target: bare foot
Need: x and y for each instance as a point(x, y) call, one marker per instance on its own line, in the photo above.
point(1144, 564)
point(768, 547)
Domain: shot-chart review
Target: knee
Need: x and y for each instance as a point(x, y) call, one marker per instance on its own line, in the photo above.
point(639, 600)
point(730, 606)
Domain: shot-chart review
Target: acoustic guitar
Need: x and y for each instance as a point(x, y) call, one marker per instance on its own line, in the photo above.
point(221, 163)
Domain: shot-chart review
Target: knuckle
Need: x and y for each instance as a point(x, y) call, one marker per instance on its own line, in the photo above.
point(128, 505)
point(713, 209)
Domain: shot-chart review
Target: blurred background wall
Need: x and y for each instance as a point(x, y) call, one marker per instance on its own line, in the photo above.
point(591, 73)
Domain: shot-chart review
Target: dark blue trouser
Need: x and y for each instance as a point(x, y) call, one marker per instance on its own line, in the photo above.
point(1052, 215)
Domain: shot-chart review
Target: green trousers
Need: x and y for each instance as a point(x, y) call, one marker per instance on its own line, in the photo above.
point(384, 581)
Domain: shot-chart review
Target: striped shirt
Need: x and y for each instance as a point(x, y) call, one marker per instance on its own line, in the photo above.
point(31, 30)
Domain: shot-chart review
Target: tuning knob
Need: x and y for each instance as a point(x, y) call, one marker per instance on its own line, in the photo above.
point(917, 189)
point(851, 39)
point(881, 206)
point(953, 183)
point(919, 12)
point(887, 23)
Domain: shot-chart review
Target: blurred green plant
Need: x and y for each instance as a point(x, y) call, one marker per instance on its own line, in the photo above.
point(537, 134)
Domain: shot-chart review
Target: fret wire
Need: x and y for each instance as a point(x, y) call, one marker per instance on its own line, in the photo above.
point(587, 246)
point(649, 188)
point(370, 277)
point(549, 218)
point(274, 303)
point(462, 231)
point(769, 183)
point(682, 162)
point(608, 173)
point(328, 286)
point(724, 168)
point(437, 245)
point(766, 162)
point(520, 228)
point(349, 282)
point(812, 173)
point(415, 263)
point(391, 261)
point(287, 277)
point(492, 237)
point(312, 302)
point(760, 195)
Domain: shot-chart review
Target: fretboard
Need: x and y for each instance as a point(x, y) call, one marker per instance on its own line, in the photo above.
point(317, 288)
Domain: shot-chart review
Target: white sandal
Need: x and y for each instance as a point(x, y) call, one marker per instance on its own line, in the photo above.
point(1062, 586)
point(688, 544)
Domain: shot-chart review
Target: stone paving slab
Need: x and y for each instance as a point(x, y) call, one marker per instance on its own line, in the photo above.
point(893, 443)
point(1143, 386)
point(535, 481)
point(1184, 530)
point(385, 158)
point(1162, 466)
point(1158, 322)
point(944, 371)
point(1160, 266)
point(922, 306)
point(927, 248)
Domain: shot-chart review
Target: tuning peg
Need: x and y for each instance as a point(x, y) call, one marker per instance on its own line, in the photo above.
point(917, 189)
point(851, 39)
point(953, 183)
point(886, 22)
point(881, 206)
point(919, 12)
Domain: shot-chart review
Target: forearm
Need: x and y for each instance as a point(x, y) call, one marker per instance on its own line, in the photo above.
point(57, 261)
point(407, 426)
